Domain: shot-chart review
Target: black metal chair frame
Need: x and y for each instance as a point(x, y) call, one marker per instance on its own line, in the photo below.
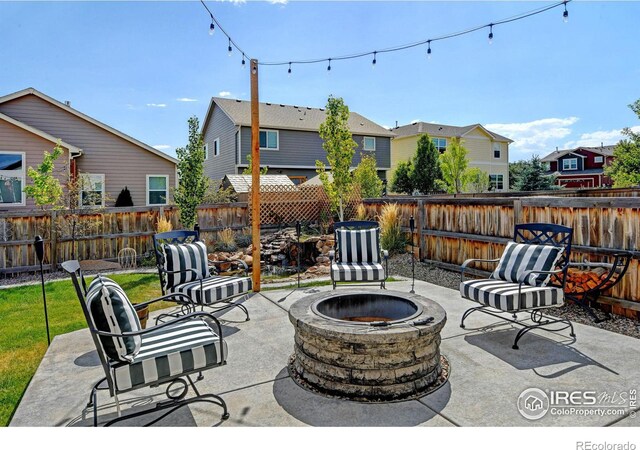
point(185, 237)
point(334, 254)
point(175, 401)
point(540, 234)
point(588, 299)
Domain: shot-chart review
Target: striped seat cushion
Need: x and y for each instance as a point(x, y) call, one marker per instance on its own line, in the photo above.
point(112, 312)
point(357, 272)
point(518, 258)
point(169, 352)
point(355, 246)
point(503, 295)
point(214, 289)
point(183, 257)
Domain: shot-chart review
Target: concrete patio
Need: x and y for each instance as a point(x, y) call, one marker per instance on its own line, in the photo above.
point(486, 378)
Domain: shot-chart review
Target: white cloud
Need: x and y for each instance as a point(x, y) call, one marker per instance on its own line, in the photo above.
point(162, 147)
point(594, 139)
point(187, 99)
point(278, 2)
point(157, 105)
point(536, 137)
point(224, 94)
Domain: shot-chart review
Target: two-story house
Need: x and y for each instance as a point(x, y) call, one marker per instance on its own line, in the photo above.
point(487, 150)
point(581, 167)
point(290, 142)
point(106, 159)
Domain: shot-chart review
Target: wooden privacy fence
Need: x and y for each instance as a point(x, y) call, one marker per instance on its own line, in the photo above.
point(450, 230)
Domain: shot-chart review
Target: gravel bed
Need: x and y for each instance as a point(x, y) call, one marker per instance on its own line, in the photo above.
point(34, 278)
point(401, 265)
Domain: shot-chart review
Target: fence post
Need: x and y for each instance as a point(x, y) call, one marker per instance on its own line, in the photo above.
point(422, 244)
point(517, 211)
point(53, 239)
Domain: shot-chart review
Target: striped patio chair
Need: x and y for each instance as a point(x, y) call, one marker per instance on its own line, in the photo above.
point(357, 255)
point(183, 267)
point(525, 279)
point(133, 357)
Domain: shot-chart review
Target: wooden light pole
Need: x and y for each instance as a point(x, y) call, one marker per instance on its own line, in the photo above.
point(255, 175)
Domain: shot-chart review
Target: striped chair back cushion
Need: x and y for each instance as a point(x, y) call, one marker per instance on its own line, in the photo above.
point(111, 311)
point(355, 246)
point(183, 257)
point(518, 258)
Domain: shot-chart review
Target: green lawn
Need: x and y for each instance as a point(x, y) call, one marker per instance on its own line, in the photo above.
point(23, 336)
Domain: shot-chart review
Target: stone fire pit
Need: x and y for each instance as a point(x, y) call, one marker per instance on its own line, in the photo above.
point(367, 345)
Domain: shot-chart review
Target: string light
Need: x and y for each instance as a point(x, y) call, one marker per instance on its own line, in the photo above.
point(289, 71)
point(212, 28)
point(397, 48)
point(243, 63)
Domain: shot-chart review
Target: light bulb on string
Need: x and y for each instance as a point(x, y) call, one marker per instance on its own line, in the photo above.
point(565, 14)
point(373, 63)
point(329, 66)
point(429, 49)
point(289, 71)
point(243, 62)
point(212, 29)
point(491, 34)
point(230, 48)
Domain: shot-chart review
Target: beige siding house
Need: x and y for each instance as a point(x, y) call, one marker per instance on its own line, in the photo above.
point(487, 150)
point(31, 122)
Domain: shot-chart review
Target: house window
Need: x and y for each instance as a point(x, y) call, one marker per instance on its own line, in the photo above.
point(157, 189)
point(440, 143)
point(497, 150)
point(216, 147)
point(497, 182)
point(206, 151)
point(269, 139)
point(92, 189)
point(570, 164)
point(598, 159)
point(12, 178)
point(369, 144)
point(298, 179)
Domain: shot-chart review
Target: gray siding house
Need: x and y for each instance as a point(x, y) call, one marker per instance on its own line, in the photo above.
point(32, 122)
point(289, 140)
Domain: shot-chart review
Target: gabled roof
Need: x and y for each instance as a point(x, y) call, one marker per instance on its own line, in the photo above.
point(53, 101)
point(72, 148)
point(439, 130)
point(287, 117)
point(604, 150)
point(242, 183)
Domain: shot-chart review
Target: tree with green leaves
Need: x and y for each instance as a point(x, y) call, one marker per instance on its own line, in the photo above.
point(401, 180)
point(453, 163)
point(477, 180)
point(45, 188)
point(426, 166)
point(192, 183)
point(340, 148)
point(515, 171)
point(249, 169)
point(534, 177)
point(625, 168)
point(366, 176)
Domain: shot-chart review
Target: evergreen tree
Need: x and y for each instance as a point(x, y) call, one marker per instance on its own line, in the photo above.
point(401, 180)
point(534, 178)
point(124, 198)
point(192, 184)
point(426, 166)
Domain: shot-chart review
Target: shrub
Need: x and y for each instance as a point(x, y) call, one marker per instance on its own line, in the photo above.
point(226, 241)
point(391, 236)
point(244, 238)
point(361, 213)
point(124, 198)
point(163, 225)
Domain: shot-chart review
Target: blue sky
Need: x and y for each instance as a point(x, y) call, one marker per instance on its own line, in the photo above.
point(145, 67)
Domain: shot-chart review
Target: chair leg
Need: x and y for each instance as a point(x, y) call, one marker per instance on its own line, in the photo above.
point(468, 312)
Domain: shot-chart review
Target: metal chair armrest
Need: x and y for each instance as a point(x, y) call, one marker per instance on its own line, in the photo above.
point(526, 274)
point(467, 262)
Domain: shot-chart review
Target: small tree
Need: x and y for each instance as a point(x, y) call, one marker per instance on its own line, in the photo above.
point(477, 180)
point(453, 163)
point(534, 178)
point(515, 171)
point(366, 176)
point(625, 168)
point(124, 198)
point(401, 180)
point(340, 148)
point(192, 183)
point(249, 169)
point(45, 189)
point(426, 166)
